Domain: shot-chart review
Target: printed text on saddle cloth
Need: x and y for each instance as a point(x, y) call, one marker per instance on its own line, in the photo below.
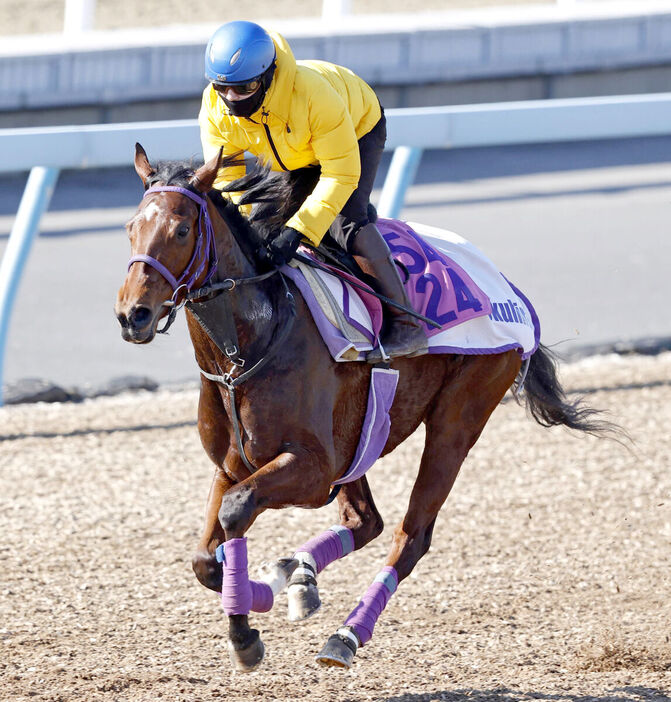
point(437, 287)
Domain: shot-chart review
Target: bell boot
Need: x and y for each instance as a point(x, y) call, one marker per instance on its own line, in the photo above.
point(405, 336)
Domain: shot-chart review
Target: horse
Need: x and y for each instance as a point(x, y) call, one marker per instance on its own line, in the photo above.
point(279, 419)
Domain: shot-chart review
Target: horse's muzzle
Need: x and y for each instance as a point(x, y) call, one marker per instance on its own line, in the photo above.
point(138, 326)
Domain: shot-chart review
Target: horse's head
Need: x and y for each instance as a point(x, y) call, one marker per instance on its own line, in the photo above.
point(172, 247)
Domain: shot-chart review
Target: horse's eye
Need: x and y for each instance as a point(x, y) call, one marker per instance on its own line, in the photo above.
point(183, 230)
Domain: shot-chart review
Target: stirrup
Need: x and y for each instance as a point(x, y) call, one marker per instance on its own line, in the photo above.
point(382, 354)
point(377, 355)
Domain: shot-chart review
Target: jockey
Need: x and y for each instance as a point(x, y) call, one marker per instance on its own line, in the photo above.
point(293, 114)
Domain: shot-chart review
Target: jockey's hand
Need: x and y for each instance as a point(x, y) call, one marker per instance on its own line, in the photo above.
point(284, 245)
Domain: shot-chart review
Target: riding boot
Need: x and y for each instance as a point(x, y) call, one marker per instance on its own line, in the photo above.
point(406, 336)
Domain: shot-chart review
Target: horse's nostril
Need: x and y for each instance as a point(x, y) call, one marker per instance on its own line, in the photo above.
point(140, 317)
point(123, 320)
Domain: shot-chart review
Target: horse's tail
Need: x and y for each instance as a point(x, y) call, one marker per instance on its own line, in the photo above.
point(547, 403)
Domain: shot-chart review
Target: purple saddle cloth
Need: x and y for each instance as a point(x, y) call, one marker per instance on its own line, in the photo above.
point(437, 286)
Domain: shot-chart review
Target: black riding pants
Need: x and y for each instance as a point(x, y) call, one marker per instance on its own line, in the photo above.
point(355, 212)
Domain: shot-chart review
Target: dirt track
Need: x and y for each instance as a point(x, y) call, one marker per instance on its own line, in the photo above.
point(549, 577)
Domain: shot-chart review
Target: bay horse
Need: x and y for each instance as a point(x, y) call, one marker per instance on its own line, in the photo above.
point(278, 417)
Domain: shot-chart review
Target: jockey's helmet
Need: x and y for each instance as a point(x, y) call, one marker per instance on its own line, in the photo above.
point(238, 52)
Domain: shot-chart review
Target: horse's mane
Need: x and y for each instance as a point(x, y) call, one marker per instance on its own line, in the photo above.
point(274, 196)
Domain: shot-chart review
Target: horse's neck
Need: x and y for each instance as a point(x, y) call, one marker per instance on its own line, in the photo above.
point(251, 305)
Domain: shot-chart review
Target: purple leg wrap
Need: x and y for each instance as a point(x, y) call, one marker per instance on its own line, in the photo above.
point(329, 546)
point(239, 594)
point(366, 613)
point(262, 596)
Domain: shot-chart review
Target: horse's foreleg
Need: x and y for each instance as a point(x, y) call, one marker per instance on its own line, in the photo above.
point(360, 523)
point(454, 425)
point(204, 562)
point(296, 478)
point(240, 595)
point(211, 418)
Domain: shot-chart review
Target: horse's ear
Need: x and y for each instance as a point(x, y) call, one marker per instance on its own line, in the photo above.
point(142, 166)
point(204, 177)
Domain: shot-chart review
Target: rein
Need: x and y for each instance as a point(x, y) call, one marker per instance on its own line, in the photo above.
point(308, 261)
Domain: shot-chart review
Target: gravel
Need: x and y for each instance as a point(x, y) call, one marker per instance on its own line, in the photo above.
point(549, 577)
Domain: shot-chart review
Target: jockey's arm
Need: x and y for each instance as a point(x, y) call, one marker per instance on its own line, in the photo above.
point(335, 146)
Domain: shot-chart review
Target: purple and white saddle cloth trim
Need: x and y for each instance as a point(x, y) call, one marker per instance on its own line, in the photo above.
point(376, 424)
point(348, 322)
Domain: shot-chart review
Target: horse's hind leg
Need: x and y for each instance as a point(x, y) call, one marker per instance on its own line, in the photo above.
point(453, 425)
point(360, 522)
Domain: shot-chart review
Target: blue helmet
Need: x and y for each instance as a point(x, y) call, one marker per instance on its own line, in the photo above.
point(238, 52)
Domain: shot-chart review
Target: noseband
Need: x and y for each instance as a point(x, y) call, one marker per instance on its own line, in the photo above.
point(204, 252)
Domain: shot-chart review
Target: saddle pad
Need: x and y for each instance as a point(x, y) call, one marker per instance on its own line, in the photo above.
point(449, 281)
point(348, 324)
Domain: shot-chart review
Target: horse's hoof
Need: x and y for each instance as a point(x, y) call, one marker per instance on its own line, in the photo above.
point(248, 658)
point(277, 574)
point(303, 599)
point(207, 570)
point(339, 650)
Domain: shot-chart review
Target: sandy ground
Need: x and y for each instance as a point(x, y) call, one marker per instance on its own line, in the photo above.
point(45, 16)
point(549, 577)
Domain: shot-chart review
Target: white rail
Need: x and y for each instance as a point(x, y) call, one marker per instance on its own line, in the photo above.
point(461, 126)
point(79, 16)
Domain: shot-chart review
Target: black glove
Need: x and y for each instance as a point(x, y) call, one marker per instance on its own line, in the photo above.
point(284, 245)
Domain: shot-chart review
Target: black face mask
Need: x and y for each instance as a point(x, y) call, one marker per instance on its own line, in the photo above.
point(248, 106)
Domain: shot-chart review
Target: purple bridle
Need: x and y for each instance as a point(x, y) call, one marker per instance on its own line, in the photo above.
point(205, 248)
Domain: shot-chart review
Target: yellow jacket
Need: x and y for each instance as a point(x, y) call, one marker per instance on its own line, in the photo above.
point(315, 112)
